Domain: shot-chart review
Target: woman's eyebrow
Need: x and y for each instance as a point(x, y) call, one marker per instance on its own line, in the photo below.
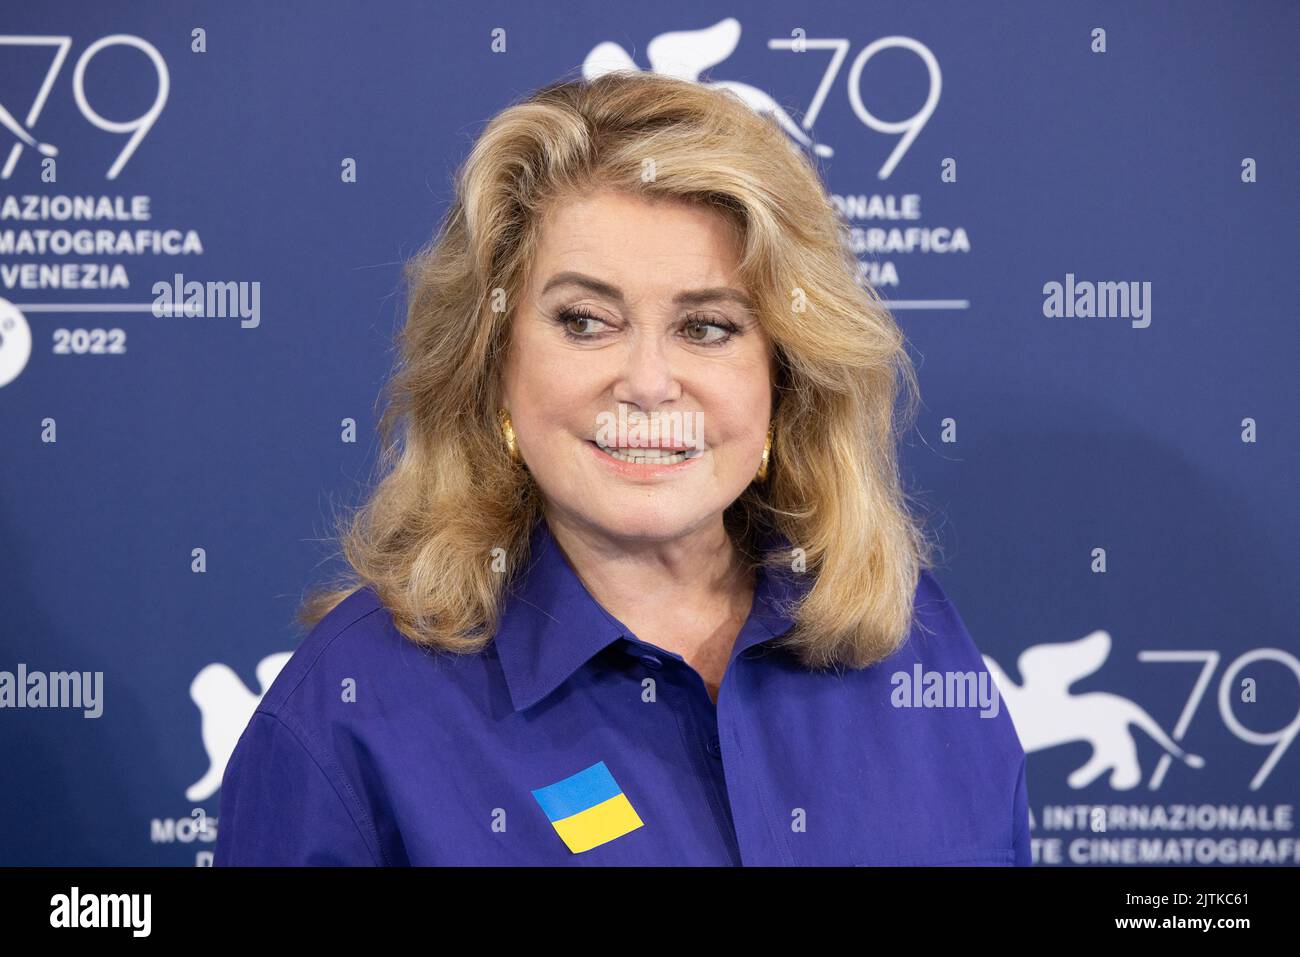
point(691, 297)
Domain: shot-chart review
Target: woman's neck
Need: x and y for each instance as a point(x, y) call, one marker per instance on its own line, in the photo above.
point(690, 596)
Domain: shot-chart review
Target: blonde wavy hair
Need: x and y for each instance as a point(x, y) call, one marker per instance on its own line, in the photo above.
point(446, 494)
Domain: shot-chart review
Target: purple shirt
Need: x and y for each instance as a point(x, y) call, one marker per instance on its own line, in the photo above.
point(570, 741)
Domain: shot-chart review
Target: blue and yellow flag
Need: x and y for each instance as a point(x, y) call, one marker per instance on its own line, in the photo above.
point(588, 809)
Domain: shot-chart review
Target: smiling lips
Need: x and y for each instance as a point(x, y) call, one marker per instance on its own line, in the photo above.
point(658, 455)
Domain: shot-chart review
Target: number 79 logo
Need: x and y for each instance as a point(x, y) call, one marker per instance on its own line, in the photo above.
point(1280, 739)
point(137, 128)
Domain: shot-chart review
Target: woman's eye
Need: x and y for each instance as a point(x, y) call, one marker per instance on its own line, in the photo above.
point(569, 316)
point(697, 330)
point(579, 325)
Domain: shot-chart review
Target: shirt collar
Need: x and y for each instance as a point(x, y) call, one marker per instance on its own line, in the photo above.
point(551, 626)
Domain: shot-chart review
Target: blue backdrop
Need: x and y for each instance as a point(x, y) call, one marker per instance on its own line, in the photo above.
point(1114, 484)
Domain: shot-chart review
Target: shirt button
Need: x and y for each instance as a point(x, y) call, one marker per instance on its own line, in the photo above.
point(650, 661)
point(713, 746)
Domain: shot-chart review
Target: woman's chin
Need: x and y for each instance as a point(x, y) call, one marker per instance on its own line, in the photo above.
point(641, 524)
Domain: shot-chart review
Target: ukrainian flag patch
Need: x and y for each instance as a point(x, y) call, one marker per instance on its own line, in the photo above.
point(588, 809)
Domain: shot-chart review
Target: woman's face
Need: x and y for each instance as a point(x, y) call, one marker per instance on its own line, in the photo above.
point(635, 302)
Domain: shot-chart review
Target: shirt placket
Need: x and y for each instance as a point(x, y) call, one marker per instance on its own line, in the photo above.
point(697, 722)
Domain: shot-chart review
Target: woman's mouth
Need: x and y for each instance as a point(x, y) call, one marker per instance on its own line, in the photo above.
point(648, 458)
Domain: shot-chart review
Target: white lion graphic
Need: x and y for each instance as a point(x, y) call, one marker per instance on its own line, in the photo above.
point(1046, 714)
point(685, 54)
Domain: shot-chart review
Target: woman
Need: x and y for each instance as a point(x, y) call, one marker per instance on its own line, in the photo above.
point(639, 581)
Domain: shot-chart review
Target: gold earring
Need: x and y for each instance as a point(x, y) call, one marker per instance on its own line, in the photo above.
point(767, 455)
point(508, 430)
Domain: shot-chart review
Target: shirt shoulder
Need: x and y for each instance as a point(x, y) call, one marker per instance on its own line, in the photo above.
point(356, 678)
point(941, 642)
point(939, 630)
point(357, 632)
point(286, 798)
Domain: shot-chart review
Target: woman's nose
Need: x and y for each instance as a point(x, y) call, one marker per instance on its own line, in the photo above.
point(648, 377)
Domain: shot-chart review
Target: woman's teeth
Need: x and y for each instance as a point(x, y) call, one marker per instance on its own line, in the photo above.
point(649, 456)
